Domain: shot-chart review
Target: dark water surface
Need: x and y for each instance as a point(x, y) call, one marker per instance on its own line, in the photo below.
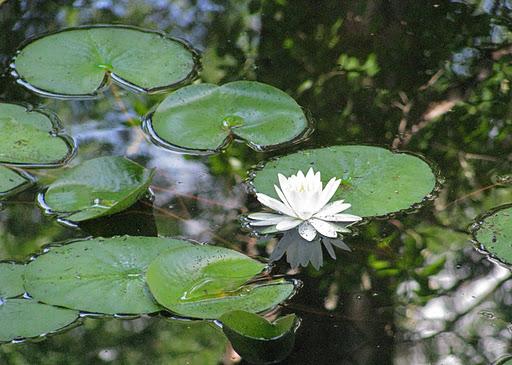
point(432, 77)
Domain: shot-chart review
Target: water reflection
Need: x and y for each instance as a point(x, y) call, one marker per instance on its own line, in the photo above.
point(429, 76)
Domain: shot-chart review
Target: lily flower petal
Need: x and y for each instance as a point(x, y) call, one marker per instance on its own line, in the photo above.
point(324, 228)
point(328, 192)
point(334, 207)
point(290, 223)
point(263, 216)
point(275, 204)
point(307, 231)
point(341, 218)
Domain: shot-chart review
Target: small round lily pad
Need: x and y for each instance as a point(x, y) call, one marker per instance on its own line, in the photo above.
point(95, 188)
point(32, 138)
point(494, 232)
point(77, 62)
point(98, 275)
point(206, 117)
point(374, 180)
point(206, 282)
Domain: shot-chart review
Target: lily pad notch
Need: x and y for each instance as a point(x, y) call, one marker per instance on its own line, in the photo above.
point(33, 138)
point(79, 62)
point(492, 231)
point(205, 118)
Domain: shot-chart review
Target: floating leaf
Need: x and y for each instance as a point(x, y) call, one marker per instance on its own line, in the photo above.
point(13, 181)
point(206, 282)
point(11, 280)
point(374, 180)
point(494, 232)
point(76, 62)
point(98, 275)
point(206, 117)
point(31, 138)
point(257, 340)
point(95, 188)
point(26, 318)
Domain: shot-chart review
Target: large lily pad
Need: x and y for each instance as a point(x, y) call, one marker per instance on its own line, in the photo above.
point(12, 181)
point(76, 62)
point(31, 138)
point(95, 188)
point(206, 117)
point(257, 340)
point(11, 280)
point(26, 318)
point(98, 275)
point(375, 180)
point(206, 282)
point(494, 232)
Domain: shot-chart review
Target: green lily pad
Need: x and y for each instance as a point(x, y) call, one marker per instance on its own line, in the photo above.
point(207, 117)
point(31, 138)
point(26, 318)
point(206, 282)
point(494, 232)
point(99, 275)
point(374, 180)
point(11, 280)
point(77, 62)
point(257, 340)
point(95, 188)
point(12, 181)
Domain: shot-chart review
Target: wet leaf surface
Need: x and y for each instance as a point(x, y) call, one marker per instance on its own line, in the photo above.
point(96, 188)
point(206, 282)
point(98, 275)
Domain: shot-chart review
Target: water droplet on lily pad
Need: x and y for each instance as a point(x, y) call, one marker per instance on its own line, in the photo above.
point(95, 188)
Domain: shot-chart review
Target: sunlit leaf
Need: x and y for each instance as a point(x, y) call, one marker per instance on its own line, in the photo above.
point(98, 275)
point(374, 180)
point(206, 117)
point(257, 340)
point(99, 187)
point(76, 62)
point(494, 232)
point(206, 282)
point(30, 138)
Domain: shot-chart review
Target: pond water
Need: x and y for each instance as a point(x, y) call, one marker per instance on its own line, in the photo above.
point(430, 77)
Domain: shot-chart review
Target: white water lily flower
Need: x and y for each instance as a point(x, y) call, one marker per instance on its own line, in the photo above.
point(304, 204)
